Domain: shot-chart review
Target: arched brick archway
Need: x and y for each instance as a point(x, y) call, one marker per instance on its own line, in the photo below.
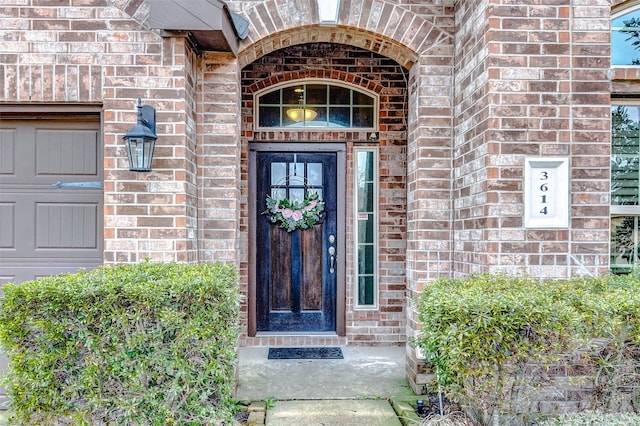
point(422, 41)
point(386, 28)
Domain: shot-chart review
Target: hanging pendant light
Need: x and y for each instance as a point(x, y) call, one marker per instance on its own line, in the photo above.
point(300, 113)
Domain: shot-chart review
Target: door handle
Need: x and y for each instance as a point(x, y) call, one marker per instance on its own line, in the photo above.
point(332, 259)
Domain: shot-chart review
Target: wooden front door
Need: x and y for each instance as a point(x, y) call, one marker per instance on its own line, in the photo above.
point(296, 270)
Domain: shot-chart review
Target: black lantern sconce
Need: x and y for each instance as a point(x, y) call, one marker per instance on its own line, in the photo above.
point(141, 139)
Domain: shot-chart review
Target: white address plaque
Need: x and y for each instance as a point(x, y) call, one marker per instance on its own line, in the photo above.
point(546, 192)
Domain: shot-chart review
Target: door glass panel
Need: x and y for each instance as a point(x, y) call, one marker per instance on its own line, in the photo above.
point(278, 193)
point(317, 191)
point(296, 173)
point(278, 173)
point(314, 172)
point(296, 194)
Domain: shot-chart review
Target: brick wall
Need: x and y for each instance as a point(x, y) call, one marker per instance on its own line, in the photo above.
point(150, 215)
point(532, 82)
point(219, 159)
point(96, 51)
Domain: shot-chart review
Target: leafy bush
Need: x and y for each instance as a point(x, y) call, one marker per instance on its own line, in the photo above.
point(151, 344)
point(594, 418)
point(480, 333)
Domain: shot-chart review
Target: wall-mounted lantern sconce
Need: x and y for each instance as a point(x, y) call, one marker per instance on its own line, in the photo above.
point(141, 139)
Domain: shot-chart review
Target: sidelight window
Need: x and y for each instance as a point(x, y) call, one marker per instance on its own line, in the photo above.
point(366, 226)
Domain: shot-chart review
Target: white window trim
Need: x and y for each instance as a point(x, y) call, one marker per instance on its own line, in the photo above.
point(376, 238)
point(329, 82)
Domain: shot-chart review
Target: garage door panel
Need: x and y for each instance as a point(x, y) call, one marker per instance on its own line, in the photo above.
point(45, 152)
point(29, 270)
point(53, 224)
point(7, 152)
point(66, 152)
point(7, 225)
point(66, 226)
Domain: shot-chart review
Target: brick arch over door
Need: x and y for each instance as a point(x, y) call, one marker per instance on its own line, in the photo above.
point(385, 28)
point(320, 74)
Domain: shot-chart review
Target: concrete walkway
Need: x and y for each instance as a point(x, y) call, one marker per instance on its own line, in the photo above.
point(351, 391)
point(332, 412)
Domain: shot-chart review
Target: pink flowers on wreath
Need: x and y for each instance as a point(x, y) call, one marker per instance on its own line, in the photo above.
point(292, 215)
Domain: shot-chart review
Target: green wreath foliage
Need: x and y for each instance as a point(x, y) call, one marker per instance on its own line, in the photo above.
point(292, 215)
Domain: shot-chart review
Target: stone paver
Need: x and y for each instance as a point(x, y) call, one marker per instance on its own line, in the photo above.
point(332, 413)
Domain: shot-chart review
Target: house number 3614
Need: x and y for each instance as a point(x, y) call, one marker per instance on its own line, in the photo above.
point(546, 192)
point(544, 189)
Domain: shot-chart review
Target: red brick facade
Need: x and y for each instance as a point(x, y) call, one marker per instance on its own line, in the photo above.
point(468, 90)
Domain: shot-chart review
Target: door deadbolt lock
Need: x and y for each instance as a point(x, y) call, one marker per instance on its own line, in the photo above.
point(332, 239)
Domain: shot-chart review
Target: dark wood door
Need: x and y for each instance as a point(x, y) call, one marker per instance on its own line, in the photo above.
point(296, 270)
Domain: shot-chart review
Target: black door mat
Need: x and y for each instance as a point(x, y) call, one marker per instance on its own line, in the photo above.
point(305, 353)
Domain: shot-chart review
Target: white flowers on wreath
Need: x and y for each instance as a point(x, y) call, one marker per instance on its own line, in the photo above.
point(292, 215)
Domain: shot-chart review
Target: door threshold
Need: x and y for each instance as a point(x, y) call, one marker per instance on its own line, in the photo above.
point(296, 333)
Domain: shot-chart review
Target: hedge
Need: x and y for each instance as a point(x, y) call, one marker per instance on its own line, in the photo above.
point(145, 344)
point(480, 332)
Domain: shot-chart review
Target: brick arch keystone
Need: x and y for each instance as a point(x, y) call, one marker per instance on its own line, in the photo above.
point(382, 27)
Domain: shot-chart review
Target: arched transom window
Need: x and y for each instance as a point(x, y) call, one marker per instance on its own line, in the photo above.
point(316, 104)
point(625, 38)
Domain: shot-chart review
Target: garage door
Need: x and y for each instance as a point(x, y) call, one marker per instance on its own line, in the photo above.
point(50, 197)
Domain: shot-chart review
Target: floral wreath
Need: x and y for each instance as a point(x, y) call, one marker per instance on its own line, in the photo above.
point(294, 215)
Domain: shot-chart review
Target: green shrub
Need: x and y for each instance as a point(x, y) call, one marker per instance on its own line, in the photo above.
point(594, 419)
point(151, 344)
point(479, 333)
